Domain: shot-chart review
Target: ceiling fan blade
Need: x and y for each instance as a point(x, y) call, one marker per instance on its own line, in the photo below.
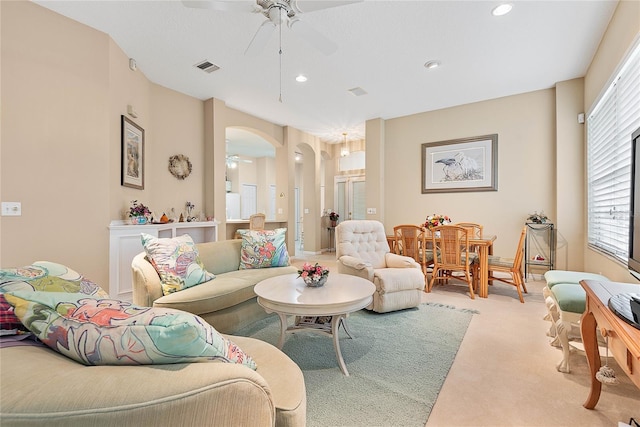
point(260, 39)
point(313, 37)
point(302, 6)
point(223, 5)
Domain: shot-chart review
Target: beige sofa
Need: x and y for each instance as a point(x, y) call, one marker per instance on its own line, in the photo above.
point(39, 387)
point(227, 302)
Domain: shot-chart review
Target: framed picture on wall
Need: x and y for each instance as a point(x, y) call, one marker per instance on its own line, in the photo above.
point(466, 164)
point(132, 154)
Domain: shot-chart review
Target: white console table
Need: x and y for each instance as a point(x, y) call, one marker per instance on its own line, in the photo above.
point(125, 243)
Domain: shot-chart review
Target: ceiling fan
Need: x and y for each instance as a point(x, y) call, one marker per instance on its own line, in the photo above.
point(277, 13)
point(232, 161)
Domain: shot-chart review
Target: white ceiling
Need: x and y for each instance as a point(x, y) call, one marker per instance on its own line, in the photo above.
point(382, 47)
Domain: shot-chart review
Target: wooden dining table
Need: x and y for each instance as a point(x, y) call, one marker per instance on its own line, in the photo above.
point(485, 248)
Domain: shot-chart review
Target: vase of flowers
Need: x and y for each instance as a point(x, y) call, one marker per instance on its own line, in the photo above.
point(313, 275)
point(138, 213)
point(436, 220)
point(333, 217)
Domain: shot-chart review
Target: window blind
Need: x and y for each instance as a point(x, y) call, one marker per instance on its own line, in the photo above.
point(609, 126)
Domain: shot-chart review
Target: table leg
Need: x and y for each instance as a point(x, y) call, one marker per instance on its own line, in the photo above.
point(335, 326)
point(484, 272)
point(283, 329)
point(589, 340)
point(343, 322)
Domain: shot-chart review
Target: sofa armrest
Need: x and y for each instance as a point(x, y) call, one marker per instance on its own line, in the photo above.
point(400, 261)
point(205, 393)
point(146, 283)
point(355, 267)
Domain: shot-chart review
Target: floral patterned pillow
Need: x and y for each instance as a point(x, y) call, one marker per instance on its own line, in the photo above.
point(102, 331)
point(177, 262)
point(263, 248)
point(40, 276)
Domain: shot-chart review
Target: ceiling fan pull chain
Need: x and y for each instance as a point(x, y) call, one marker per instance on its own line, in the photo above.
point(280, 56)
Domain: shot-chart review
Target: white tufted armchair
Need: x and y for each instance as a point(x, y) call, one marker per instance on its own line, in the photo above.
point(362, 250)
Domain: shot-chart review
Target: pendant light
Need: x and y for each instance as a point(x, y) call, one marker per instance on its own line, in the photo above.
point(344, 151)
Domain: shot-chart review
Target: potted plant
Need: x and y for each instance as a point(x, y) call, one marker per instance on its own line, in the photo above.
point(138, 213)
point(333, 217)
point(313, 275)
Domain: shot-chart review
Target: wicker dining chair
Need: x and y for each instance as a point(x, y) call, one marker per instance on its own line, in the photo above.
point(451, 246)
point(256, 221)
point(512, 266)
point(410, 241)
point(476, 231)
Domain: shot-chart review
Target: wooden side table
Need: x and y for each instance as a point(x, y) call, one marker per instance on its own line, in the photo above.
point(623, 339)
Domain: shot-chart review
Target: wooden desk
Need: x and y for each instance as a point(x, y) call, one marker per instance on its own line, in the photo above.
point(624, 339)
point(485, 248)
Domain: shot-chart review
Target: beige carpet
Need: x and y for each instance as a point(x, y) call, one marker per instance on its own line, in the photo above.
point(504, 373)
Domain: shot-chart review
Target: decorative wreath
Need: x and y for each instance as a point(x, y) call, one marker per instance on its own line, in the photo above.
point(180, 166)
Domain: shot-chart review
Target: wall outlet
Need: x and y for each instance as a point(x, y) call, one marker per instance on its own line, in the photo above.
point(11, 208)
point(371, 211)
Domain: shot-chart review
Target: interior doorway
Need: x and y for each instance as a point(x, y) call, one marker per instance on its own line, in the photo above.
point(350, 197)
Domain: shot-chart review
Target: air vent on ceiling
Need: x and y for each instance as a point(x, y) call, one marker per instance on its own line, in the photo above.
point(207, 66)
point(358, 91)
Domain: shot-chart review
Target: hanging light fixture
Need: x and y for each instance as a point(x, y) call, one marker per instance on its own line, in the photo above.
point(344, 151)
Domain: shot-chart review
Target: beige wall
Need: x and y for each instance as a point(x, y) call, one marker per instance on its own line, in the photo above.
point(64, 88)
point(569, 175)
point(56, 137)
point(525, 125)
point(623, 30)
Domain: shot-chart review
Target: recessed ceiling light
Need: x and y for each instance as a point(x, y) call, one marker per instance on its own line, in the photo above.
point(301, 78)
point(502, 9)
point(432, 64)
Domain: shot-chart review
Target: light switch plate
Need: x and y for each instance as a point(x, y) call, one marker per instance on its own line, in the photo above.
point(11, 209)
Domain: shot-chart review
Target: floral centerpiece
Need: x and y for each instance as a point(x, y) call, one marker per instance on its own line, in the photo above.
point(138, 213)
point(537, 218)
point(333, 217)
point(313, 275)
point(436, 220)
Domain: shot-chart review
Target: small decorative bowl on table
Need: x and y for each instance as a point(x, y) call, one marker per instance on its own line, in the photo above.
point(313, 276)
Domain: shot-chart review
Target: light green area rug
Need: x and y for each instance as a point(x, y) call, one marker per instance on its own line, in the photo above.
point(397, 364)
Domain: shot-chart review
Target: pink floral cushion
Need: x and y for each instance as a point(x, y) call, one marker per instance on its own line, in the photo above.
point(102, 331)
point(177, 262)
point(263, 249)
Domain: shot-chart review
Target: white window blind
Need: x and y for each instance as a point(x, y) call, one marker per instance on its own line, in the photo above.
point(609, 126)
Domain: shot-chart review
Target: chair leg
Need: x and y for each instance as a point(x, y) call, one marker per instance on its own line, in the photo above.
point(469, 281)
point(522, 281)
point(518, 283)
point(434, 274)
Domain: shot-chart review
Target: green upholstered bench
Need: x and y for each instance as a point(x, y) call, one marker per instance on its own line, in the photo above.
point(554, 277)
point(566, 301)
point(570, 297)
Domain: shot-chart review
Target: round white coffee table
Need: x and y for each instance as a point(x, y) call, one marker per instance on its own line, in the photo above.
point(287, 295)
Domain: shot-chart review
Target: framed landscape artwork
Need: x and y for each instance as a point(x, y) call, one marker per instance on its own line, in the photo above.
point(132, 154)
point(466, 164)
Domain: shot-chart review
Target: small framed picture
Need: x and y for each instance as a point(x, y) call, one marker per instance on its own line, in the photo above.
point(467, 164)
point(132, 155)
